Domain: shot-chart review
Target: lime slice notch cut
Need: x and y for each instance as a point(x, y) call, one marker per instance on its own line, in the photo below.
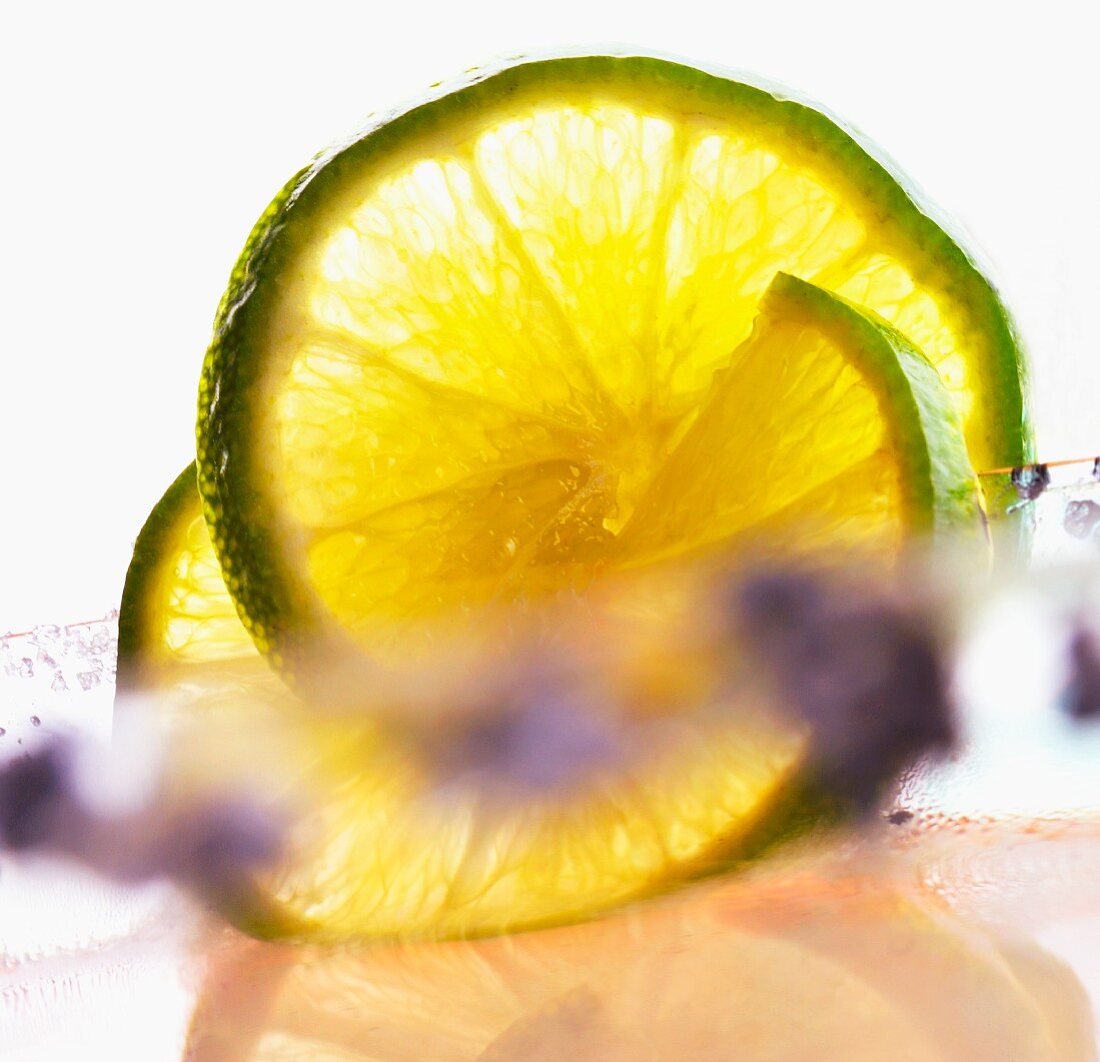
point(854, 444)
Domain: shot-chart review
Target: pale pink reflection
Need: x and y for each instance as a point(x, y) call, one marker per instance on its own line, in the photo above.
point(960, 922)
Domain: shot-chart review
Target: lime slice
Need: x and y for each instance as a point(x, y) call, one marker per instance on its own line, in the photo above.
point(392, 842)
point(176, 612)
point(384, 840)
point(457, 352)
point(388, 841)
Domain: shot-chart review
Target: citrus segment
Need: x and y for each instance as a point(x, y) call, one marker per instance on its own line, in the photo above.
point(852, 439)
point(457, 548)
point(523, 290)
point(338, 401)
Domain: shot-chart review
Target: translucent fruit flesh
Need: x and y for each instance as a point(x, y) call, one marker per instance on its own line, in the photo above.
point(394, 841)
point(458, 354)
point(392, 837)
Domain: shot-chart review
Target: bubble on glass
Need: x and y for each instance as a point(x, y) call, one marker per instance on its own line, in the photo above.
point(1082, 517)
point(1030, 481)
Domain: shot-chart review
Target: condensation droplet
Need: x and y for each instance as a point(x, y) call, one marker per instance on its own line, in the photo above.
point(1030, 481)
point(1081, 517)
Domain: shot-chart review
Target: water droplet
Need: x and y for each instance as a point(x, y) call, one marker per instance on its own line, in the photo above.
point(1081, 517)
point(1030, 481)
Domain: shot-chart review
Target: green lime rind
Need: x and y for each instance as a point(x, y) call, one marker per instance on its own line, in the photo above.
point(938, 482)
point(156, 582)
point(154, 552)
point(261, 567)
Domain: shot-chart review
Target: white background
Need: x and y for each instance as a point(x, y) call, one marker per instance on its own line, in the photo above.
point(140, 142)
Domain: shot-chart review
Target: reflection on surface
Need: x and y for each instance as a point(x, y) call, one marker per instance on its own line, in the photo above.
point(912, 939)
point(847, 953)
point(960, 923)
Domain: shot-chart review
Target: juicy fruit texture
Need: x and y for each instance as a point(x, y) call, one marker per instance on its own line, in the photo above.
point(854, 442)
point(536, 335)
point(176, 611)
point(396, 844)
point(398, 840)
point(456, 352)
point(390, 836)
point(756, 967)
